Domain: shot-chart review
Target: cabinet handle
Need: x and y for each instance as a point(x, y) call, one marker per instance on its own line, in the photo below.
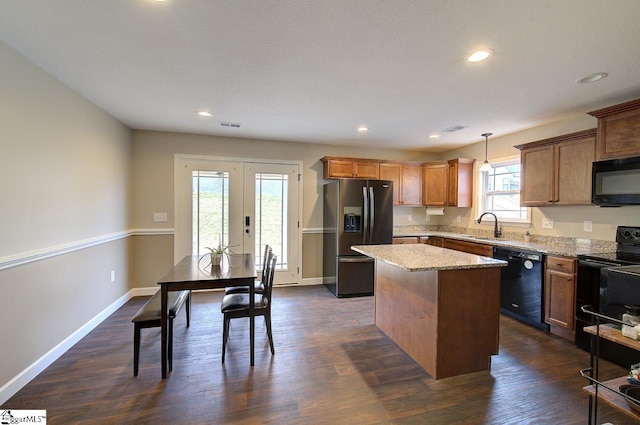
point(569, 279)
point(559, 265)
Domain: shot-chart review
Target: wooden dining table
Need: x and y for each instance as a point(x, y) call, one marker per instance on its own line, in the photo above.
point(193, 272)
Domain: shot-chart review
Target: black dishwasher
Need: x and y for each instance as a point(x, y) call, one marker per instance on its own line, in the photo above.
point(521, 286)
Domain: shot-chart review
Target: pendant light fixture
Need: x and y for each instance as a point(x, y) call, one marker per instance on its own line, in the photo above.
point(485, 165)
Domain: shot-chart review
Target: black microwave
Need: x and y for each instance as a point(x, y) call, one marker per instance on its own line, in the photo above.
point(616, 182)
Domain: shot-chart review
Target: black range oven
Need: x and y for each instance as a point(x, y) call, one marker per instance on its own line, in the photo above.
point(591, 286)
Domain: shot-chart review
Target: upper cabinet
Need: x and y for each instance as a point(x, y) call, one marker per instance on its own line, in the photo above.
point(557, 171)
point(338, 168)
point(407, 182)
point(618, 130)
point(434, 183)
point(460, 182)
point(448, 183)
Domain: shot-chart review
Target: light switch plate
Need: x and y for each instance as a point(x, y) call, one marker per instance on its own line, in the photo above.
point(159, 217)
point(547, 223)
point(588, 226)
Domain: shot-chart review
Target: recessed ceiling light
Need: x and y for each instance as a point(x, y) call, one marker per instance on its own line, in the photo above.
point(363, 129)
point(434, 136)
point(480, 55)
point(592, 78)
point(203, 114)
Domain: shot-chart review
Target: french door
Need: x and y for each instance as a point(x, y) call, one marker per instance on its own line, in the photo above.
point(240, 204)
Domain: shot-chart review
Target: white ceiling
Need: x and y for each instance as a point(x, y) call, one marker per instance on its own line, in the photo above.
point(314, 70)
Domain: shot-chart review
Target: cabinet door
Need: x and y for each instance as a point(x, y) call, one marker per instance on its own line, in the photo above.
point(469, 247)
point(366, 170)
point(559, 290)
point(434, 184)
point(618, 130)
point(432, 240)
point(337, 168)
point(392, 172)
point(537, 176)
point(401, 240)
point(411, 190)
point(574, 160)
point(460, 184)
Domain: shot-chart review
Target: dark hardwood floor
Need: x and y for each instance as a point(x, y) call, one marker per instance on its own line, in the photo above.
point(332, 366)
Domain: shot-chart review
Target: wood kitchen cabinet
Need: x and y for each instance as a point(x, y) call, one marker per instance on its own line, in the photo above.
point(407, 182)
point(560, 296)
point(434, 183)
point(336, 168)
point(557, 171)
point(448, 183)
point(618, 130)
point(460, 182)
point(433, 241)
point(470, 247)
point(400, 240)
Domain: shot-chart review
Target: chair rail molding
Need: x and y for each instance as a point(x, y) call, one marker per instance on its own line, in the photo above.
point(27, 257)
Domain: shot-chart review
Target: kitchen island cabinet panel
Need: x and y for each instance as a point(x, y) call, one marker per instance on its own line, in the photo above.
point(446, 320)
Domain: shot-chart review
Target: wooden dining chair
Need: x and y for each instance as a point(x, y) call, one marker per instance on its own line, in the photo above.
point(235, 306)
point(258, 285)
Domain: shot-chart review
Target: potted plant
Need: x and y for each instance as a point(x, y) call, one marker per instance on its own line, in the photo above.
point(216, 253)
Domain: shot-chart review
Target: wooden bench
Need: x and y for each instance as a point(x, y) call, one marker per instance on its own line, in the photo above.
point(149, 317)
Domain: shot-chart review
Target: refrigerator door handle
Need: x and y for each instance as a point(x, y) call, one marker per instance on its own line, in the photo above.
point(365, 229)
point(371, 213)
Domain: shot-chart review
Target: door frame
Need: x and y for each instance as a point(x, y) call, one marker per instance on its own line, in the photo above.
point(177, 162)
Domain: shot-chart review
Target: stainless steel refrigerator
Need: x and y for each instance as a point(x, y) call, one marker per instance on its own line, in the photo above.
point(356, 212)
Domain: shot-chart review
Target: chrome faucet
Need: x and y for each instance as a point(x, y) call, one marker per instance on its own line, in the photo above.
point(497, 232)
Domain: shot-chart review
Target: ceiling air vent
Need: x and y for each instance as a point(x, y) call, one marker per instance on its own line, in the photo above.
point(230, 124)
point(454, 128)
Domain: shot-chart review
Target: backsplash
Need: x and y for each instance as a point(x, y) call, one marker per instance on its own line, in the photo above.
point(579, 244)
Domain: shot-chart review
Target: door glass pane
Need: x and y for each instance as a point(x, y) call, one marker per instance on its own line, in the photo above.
point(271, 218)
point(210, 210)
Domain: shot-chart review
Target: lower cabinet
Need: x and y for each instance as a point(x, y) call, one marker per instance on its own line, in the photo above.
point(406, 239)
point(470, 247)
point(432, 240)
point(560, 296)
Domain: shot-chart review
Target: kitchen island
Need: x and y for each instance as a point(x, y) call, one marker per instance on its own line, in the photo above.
point(441, 306)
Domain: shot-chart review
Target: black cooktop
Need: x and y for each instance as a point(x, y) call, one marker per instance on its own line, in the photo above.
point(621, 258)
point(628, 251)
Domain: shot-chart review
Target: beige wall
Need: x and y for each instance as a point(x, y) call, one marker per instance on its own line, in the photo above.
point(568, 221)
point(72, 174)
point(152, 184)
point(65, 176)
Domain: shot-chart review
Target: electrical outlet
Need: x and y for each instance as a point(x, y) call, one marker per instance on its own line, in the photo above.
point(547, 223)
point(410, 218)
point(159, 217)
point(588, 226)
point(113, 275)
point(458, 218)
point(427, 216)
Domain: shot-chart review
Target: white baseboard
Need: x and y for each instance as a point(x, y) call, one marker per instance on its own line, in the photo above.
point(311, 281)
point(23, 378)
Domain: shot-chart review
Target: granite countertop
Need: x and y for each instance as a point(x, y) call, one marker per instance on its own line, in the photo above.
point(569, 247)
point(420, 257)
